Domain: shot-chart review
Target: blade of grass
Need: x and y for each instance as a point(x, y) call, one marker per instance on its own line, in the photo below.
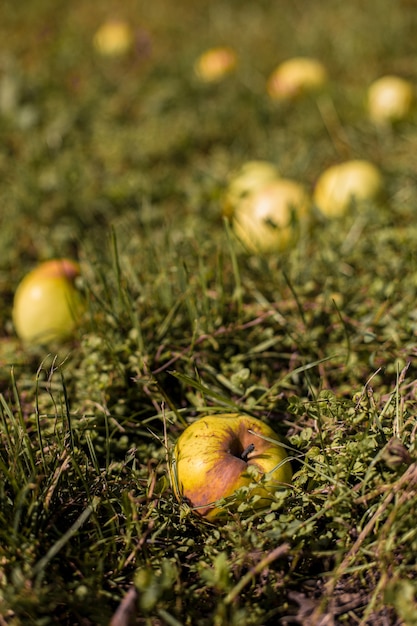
point(39, 568)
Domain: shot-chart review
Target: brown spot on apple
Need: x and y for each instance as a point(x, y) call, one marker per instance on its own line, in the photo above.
point(217, 455)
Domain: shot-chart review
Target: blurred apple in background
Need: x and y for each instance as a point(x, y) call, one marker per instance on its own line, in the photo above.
point(214, 64)
point(113, 38)
point(250, 177)
point(271, 218)
point(390, 99)
point(47, 304)
point(219, 454)
point(341, 186)
point(295, 78)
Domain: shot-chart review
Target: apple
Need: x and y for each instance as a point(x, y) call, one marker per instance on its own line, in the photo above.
point(339, 186)
point(295, 78)
point(246, 180)
point(114, 38)
point(214, 64)
point(47, 305)
point(390, 99)
point(219, 454)
point(270, 219)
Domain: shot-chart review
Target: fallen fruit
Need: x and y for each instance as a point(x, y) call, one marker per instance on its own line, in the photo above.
point(214, 64)
point(295, 78)
point(219, 454)
point(339, 186)
point(250, 177)
point(390, 99)
point(270, 219)
point(47, 305)
point(114, 38)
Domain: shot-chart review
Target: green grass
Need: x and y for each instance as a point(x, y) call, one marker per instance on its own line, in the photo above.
point(122, 164)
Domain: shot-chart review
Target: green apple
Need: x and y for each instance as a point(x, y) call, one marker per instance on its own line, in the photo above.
point(47, 305)
point(215, 64)
point(390, 99)
point(245, 181)
point(339, 186)
point(270, 219)
point(219, 454)
point(295, 78)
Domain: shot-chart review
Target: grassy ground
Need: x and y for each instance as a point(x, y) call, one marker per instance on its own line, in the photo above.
point(121, 163)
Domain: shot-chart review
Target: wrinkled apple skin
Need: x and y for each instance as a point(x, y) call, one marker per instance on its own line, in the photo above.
point(295, 78)
point(47, 304)
point(340, 185)
point(207, 464)
point(270, 219)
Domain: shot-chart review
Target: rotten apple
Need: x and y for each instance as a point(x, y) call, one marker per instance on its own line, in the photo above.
point(219, 454)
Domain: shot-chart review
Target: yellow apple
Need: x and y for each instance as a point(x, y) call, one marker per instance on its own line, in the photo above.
point(249, 178)
point(216, 63)
point(341, 185)
point(47, 304)
point(113, 38)
point(219, 454)
point(269, 220)
point(390, 99)
point(295, 78)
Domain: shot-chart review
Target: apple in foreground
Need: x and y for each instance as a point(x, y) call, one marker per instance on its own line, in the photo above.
point(351, 182)
point(295, 78)
point(390, 99)
point(271, 218)
point(219, 454)
point(47, 304)
point(250, 177)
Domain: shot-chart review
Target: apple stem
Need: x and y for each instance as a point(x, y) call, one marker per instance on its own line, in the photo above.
point(246, 452)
